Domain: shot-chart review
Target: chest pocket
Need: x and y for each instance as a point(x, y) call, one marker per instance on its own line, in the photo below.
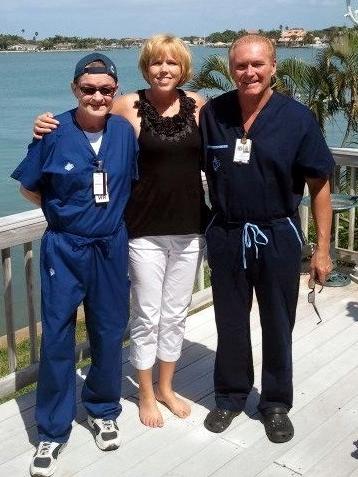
point(70, 186)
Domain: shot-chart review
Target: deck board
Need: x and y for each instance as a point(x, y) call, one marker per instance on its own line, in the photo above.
point(338, 460)
point(324, 412)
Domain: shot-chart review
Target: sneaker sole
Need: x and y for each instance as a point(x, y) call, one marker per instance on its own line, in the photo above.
point(111, 447)
point(43, 475)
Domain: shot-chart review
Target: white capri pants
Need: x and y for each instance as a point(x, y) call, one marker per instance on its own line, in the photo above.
point(162, 270)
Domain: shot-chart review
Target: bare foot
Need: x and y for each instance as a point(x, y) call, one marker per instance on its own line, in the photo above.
point(149, 413)
point(176, 405)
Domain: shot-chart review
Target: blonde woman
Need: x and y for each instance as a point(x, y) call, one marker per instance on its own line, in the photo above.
point(166, 217)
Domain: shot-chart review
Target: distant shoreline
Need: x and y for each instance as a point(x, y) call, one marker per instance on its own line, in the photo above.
point(52, 51)
point(136, 47)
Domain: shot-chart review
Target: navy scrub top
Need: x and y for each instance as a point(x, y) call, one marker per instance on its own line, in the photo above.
point(287, 146)
point(60, 167)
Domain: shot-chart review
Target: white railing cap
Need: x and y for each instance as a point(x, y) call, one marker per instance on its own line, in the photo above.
point(345, 156)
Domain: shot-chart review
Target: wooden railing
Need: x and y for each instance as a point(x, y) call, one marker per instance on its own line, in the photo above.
point(345, 181)
point(27, 227)
point(20, 229)
point(24, 229)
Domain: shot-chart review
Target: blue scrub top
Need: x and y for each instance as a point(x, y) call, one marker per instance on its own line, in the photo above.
point(60, 167)
point(287, 147)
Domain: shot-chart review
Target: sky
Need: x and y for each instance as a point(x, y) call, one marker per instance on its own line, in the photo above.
point(142, 18)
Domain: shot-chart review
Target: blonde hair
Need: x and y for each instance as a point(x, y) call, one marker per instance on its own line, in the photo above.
point(249, 40)
point(160, 45)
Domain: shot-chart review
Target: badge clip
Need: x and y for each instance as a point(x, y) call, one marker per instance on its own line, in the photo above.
point(242, 150)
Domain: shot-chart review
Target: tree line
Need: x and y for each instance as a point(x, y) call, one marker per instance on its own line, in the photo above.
point(227, 36)
point(7, 41)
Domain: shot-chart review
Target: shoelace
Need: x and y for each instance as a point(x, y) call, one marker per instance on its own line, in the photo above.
point(107, 424)
point(45, 448)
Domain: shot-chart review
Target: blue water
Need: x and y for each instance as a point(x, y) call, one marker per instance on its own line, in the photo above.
point(35, 82)
point(32, 83)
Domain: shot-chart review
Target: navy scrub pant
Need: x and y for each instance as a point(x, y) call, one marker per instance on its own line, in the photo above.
point(274, 273)
point(95, 271)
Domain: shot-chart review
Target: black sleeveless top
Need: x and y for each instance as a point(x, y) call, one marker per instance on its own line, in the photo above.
point(168, 199)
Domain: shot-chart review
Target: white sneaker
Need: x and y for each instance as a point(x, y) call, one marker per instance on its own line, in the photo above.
point(106, 431)
point(45, 458)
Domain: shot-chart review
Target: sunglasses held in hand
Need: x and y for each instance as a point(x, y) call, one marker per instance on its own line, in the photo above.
point(311, 297)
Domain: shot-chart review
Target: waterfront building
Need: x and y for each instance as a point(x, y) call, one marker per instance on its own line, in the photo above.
point(23, 47)
point(292, 36)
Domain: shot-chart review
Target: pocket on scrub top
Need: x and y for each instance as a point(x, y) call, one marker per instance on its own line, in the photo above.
point(69, 187)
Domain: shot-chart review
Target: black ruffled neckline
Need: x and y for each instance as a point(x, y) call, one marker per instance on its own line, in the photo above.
point(173, 128)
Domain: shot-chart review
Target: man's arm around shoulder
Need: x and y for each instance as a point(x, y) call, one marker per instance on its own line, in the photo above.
point(32, 196)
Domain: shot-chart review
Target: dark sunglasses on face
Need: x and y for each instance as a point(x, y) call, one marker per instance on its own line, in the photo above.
point(311, 297)
point(91, 90)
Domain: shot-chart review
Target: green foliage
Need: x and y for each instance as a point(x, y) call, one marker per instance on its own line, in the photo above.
point(310, 84)
point(309, 38)
point(213, 75)
point(272, 34)
point(191, 38)
point(328, 86)
point(331, 32)
point(9, 40)
point(341, 58)
point(227, 36)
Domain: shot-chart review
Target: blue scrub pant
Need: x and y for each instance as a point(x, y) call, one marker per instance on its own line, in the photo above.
point(274, 273)
point(95, 271)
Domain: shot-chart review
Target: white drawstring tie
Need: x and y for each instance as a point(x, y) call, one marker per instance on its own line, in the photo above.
point(246, 239)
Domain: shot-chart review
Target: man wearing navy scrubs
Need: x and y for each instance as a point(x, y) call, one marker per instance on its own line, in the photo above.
point(260, 149)
point(81, 175)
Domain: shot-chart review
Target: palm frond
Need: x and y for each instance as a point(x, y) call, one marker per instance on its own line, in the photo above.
point(214, 74)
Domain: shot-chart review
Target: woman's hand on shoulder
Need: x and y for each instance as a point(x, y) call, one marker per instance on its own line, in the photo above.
point(43, 124)
point(124, 104)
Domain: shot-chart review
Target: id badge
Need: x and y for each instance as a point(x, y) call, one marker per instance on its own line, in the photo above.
point(242, 151)
point(99, 183)
point(100, 188)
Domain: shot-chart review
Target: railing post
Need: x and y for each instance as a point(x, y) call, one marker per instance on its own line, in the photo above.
point(352, 212)
point(28, 259)
point(200, 278)
point(354, 274)
point(304, 216)
point(9, 319)
point(336, 189)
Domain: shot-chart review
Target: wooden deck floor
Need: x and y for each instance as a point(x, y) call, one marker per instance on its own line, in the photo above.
point(324, 413)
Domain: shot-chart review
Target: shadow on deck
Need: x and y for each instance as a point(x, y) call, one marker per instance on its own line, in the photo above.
point(324, 413)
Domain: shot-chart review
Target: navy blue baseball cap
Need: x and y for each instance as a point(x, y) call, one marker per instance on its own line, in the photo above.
point(108, 66)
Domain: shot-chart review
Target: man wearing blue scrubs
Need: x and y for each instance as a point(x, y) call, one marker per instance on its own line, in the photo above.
point(260, 149)
point(81, 175)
